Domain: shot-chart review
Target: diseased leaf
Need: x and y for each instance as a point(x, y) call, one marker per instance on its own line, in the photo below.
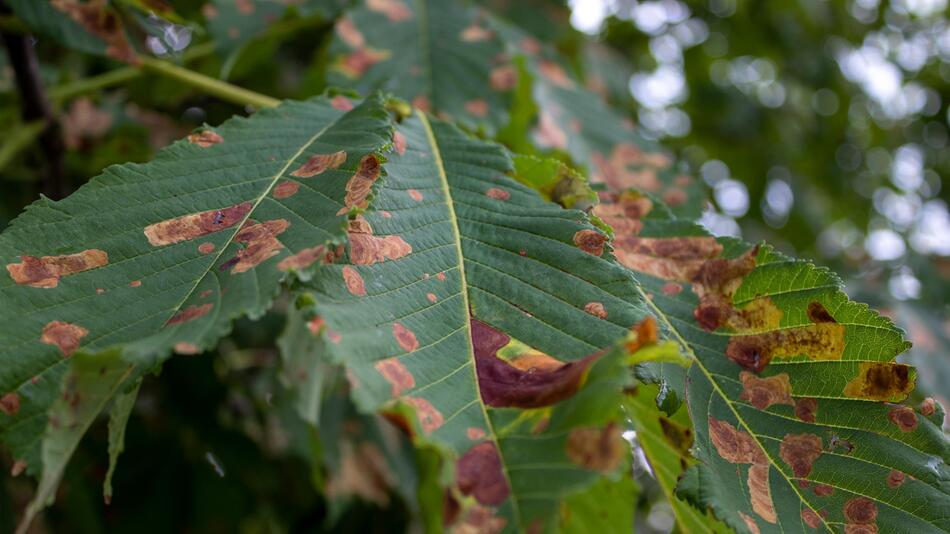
point(606, 73)
point(118, 419)
point(438, 54)
point(488, 314)
point(305, 369)
point(90, 26)
point(233, 23)
point(794, 392)
point(163, 256)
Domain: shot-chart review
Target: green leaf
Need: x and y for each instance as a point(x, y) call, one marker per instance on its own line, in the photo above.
point(233, 23)
point(438, 54)
point(118, 419)
point(93, 27)
point(162, 256)
point(458, 276)
point(606, 73)
point(607, 507)
point(794, 391)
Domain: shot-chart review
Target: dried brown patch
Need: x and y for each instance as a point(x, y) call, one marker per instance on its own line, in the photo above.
point(596, 448)
point(364, 472)
point(497, 193)
point(316, 325)
point(205, 138)
point(415, 195)
point(341, 103)
point(261, 244)
point(860, 511)
point(190, 313)
point(320, 163)
point(206, 248)
point(475, 433)
point(367, 249)
point(823, 490)
point(475, 33)
point(904, 417)
point(65, 336)
point(354, 282)
point(245, 7)
point(186, 348)
point(405, 337)
point(102, 21)
point(800, 451)
point(555, 74)
point(431, 297)
point(503, 78)
point(764, 392)
point(824, 341)
point(188, 227)
point(10, 403)
point(818, 314)
point(590, 241)
point(928, 407)
point(895, 478)
point(675, 196)
point(307, 257)
point(18, 468)
point(749, 523)
point(596, 309)
point(399, 142)
point(429, 418)
point(806, 408)
point(422, 102)
point(733, 445)
point(357, 63)
point(394, 10)
point(286, 189)
point(629, 167)
point(440, 277)
point(479, 473)
point(671, 288)
point(760, 493)
point(135, 283)
point(881, 381)
point(359, 186)
point(46, 271)
point(477, 107)
point(810, 518)
point(395, 372)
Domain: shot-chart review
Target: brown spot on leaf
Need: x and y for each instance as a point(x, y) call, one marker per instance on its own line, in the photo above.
point(474, 33)
point(860, 511)
point(590, 241)
point(356, 63)
point(823, 341)
point(503, 78)
point(517, 384)
point(307, 257)
point(359, 185)
point(760, 493)
point(415, 195)
point(366, 249)
point(190, 313)
point(895, 478)
point(675, 196)
point(629, 167)
point(805, 409)
point(341, 103)
point(596, 448)
point(904, 417)
point(928, 407)
point(818, 314)
point(65, 336)
point(18, 468)
point(394, 10)
point(245, 7)
point(186, 348)
point(672, 288)
point(555, 74)
point(10, 404)
point(261, 244)
point(596, 309)
point(432, 297)
point(350, 34)
point(733, 445)
point(405, 337)
point(286, 189)
point(422, 102)
point(479, 519)
point(429, 418)
point(354, 282)
point(395, 372)
point(440, 277)
point(479, 474)
point(475, 433)
point(881, 381)
point(319, 163)
point(810, 518)
point(99, 19)
point(800, 451)
point(206, 248)
point(823, 490)
point(477, 107)
point(188, 227)
point(764, 392)
point(399, 142)
point(135, 283)
point(45, 272)
point(749, 523)
point(497, 193)
point(205, 138)
point(364, 472)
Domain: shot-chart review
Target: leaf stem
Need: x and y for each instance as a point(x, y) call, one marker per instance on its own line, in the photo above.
point(212, 86)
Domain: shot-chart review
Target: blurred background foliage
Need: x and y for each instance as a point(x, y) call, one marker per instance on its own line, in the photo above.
point(820, 126)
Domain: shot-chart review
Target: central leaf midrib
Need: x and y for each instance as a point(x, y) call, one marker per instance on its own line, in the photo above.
point(463, 281)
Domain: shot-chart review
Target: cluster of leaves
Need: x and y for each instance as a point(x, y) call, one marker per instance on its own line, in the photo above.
point(474, 324)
